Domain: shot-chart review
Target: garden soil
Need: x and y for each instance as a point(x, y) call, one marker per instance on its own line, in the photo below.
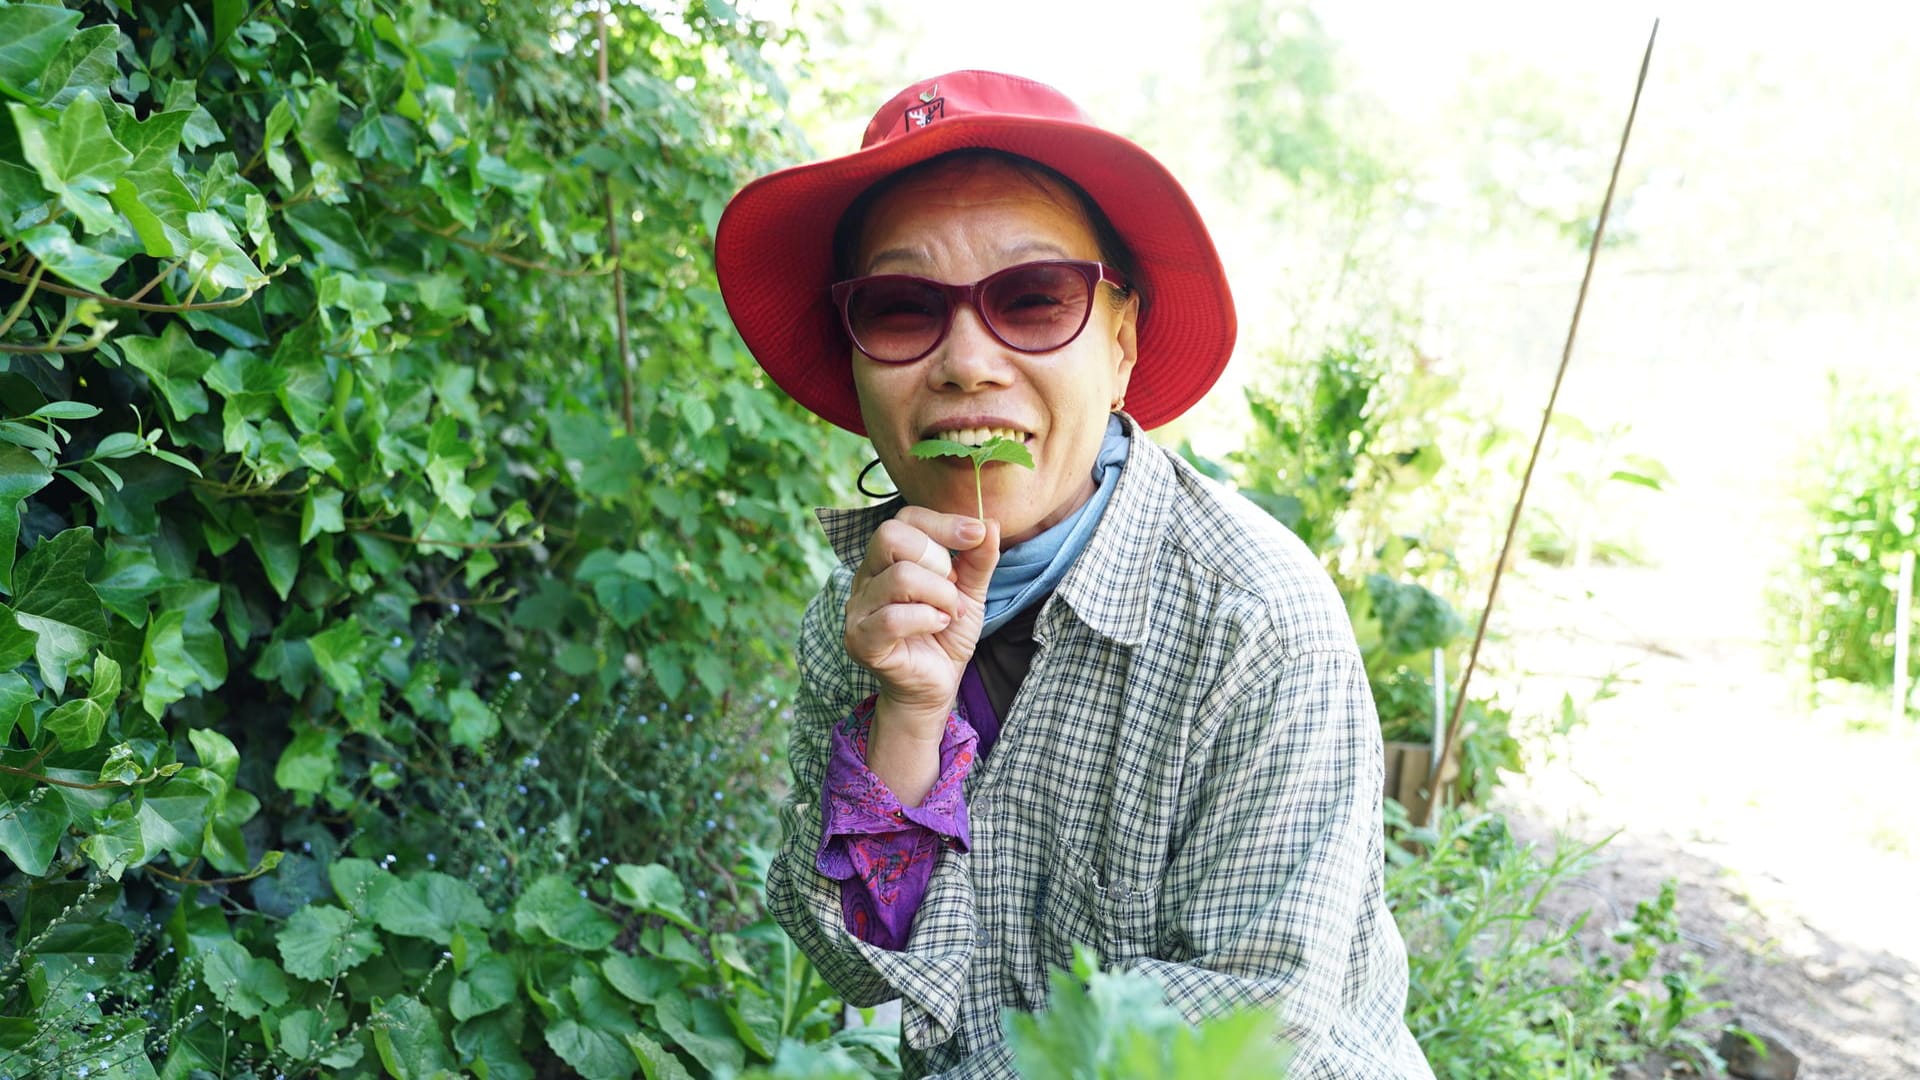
point(1789, 826)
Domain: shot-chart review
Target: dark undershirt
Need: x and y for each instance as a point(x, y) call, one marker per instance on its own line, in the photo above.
point(1002, 661)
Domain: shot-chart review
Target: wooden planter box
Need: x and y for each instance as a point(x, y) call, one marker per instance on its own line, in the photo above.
point(1409, 767)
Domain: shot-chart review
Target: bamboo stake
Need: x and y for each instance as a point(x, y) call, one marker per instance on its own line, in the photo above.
point(1546, 417)
point(1902, 635)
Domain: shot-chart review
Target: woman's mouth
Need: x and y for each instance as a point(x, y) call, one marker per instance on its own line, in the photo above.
point(980, 436)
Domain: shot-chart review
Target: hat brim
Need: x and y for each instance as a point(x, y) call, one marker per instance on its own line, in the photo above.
point(773, 253)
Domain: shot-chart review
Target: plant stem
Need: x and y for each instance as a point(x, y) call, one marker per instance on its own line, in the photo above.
point(979, 496)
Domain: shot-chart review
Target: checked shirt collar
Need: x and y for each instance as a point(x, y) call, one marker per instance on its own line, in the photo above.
point(1108, 586)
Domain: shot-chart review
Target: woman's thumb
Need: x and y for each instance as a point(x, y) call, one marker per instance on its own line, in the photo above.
point(973, 568)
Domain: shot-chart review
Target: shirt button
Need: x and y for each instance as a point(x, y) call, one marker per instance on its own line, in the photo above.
point(1120, 892)
point(985, 940)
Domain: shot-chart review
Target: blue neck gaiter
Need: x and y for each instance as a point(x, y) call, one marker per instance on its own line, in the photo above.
point(1031, 570)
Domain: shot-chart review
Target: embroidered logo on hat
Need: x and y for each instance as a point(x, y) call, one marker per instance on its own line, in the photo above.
point(920, 116)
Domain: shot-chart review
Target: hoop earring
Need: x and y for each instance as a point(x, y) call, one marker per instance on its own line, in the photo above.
point(861, 483)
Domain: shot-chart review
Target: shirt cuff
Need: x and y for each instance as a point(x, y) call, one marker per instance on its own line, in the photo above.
point(856, 802)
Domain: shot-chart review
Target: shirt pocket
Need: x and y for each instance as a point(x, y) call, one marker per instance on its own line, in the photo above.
point(1084, 904)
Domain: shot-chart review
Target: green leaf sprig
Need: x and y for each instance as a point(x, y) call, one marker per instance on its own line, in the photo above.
point(998, 448)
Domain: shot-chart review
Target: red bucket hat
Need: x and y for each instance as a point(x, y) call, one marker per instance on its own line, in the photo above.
point(774, 247)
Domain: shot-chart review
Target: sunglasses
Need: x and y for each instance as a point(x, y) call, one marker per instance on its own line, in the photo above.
point(1032, 307)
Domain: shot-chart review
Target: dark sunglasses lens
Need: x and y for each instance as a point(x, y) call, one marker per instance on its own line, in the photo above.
point(1037, 308)
point(896, 320)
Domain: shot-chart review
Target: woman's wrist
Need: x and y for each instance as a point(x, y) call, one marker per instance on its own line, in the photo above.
point(903, 748)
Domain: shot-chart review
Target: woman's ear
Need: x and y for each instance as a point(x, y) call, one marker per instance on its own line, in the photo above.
point(1126, 346)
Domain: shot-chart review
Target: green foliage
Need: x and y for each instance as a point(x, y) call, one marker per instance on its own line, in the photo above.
point(1838, 599)
point(1499, 988)
point(315, 436)
point(1330, 453)
point(1101, 1025)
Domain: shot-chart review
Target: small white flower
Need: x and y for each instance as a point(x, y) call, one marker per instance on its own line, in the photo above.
point(513, 676)
point(573, 699)
point(521, 788)
point(432, 858)
point(396, 641)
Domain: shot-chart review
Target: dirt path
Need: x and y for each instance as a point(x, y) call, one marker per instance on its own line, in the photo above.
point(1794, 834)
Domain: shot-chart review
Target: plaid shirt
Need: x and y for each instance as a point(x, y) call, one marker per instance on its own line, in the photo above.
point(1189, 780)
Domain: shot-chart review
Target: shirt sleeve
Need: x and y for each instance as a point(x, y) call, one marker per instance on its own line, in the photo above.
point(929, 975)
point(1275, 888)
point(881, 852)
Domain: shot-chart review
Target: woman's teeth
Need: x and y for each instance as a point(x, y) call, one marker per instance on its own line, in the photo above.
point(980, 436)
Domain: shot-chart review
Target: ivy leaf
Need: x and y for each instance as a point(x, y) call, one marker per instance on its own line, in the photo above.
point(174, 815)
point(247, 984)
point(182, 649)
point(16, 695)
point(82, 265)
point(215, 255)
point(321, 514)
point(78, 723)
point(430, 905)
point(77, 158)
point(128, 578)
point(116, 844)
point(30, 830)
point(319, 942)
point(21, 474)
point(55, 602)
point(411, 1044)
point(175, 364)
point(339, 650)
point(309, 761)
point(320, 135)
point(87, 62)
point(653, 890)
point(275, 540)
point(473, 721)
point(488, 985)
point(31, 35)
point(217, 753)
point(553, 909)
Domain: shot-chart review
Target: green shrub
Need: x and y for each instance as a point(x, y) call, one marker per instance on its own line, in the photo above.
point(355, 625)
point(1497, 988)
point(1862, 503)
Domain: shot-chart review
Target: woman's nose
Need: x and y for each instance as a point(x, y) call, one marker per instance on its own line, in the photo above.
point(971, 357)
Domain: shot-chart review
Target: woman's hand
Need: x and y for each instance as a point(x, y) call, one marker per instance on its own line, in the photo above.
point(913, 619)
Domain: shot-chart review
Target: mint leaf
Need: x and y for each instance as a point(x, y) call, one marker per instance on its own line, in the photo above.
point(998, 448)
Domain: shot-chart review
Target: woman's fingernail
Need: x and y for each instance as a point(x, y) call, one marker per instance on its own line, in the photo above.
point(973, 531)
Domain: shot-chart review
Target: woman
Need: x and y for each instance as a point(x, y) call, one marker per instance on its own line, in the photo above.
point(1126, 708)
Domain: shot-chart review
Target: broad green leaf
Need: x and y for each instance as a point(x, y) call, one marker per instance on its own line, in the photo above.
point(154, 142)
point(340, 650)
point(933, 448)
point(174, 814)
point(227, 17)
point(276, 541)
point(320, 942)
point(81, 265)
point(359, 884)
point(588, 1033)
point(217, 753)
point(54, 600)
point(176, 366)
point(78, 723)
point(473, 721)
point(319, 133)
point(702, 1030)
point(411, 1044)
point(21, 474)
point(756, 1019)
point(77, 158)
point(214, 254)
point(553, 909)
point(30, 830)
point(488, 985)
point(431, 906)
point(117, 843)
point(492, 1042)
point(156, 239)
point(129, 577)
point(243, 982)
point(656, 1063)
point(87, 62)
point(642, 979)
point(309, 761)
point(16, 694)
point(182, 649)
point(31, 35)
point(654, 890)
point(321, 514)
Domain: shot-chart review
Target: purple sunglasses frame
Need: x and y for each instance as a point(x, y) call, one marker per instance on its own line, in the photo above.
point(1093, 273)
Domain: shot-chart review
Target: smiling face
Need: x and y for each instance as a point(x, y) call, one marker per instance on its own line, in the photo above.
point(958, 223)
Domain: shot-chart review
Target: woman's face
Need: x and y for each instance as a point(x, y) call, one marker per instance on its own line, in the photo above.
point(958, 224)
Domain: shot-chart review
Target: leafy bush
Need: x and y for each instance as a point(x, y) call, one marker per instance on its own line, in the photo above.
point(1862, 500)
point(373, 587)
point(1497, 988)
point(1101, 1025)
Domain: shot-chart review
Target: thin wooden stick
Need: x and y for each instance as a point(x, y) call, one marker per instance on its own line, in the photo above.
point(1902, 634)
point(1546, 417)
